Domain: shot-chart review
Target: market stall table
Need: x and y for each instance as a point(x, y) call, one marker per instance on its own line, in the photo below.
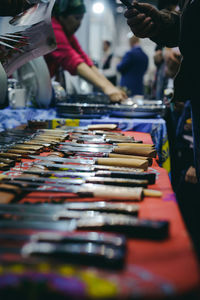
point(154, 269)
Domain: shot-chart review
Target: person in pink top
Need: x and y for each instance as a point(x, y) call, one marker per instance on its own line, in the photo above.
point(67, 17)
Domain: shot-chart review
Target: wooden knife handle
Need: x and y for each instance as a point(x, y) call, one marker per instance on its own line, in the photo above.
point(152, 193)
point(114, 155)
point(148, 152)
point(102, 127)
point(136, 145)
point(115, 193)
point(124, 162)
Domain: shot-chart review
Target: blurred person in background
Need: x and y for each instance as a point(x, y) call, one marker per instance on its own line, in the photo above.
point(133, 66)
point(109, 63)
point(67, 18)
point(163, 55)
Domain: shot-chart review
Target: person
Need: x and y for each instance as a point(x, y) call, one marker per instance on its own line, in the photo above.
point(109, 63)
point(180, 29)
point(173, 29)
point(164, 55)
point(66, 20)
point(133, 66)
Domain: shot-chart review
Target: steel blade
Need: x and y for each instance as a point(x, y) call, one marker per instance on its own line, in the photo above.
point(26, 224)
point(64, 160)
point(86, 149)
point(86, 145)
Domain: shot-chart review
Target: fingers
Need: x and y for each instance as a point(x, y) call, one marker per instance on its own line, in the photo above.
point(118, 97)
point(143, 19)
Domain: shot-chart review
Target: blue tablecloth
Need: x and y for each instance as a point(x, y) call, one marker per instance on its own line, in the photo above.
point(10, 118)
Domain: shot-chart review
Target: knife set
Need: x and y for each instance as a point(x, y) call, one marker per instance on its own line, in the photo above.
point(116, 170)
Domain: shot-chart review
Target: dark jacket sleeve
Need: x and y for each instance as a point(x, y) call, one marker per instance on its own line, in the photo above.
point(12, 7)
point(169, 29)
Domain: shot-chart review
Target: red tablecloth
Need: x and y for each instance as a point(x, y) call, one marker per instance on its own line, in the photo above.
point(158, 268)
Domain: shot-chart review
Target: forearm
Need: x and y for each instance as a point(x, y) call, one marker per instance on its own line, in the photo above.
point(101, 76)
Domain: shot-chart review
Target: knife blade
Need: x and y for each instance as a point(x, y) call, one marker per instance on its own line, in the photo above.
point(84, 168)
point(99, 140)
point(117, 162)
point(68, 237)
point(101, 206)
point(137, 151)
point(26, 224)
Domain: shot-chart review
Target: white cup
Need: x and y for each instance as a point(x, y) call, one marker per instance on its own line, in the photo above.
point(17, 98)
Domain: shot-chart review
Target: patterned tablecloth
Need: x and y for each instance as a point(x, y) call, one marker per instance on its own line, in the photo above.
point(10, 118)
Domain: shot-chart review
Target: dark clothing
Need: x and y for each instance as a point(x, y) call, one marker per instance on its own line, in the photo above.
point(12, 7)
point(182, 29)
point(106, 66)
point(133, 67)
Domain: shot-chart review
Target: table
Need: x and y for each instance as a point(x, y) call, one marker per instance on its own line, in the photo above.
point(154, 270)
point(10, 118)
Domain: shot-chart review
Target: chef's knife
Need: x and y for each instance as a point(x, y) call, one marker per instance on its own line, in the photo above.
point(122, 162)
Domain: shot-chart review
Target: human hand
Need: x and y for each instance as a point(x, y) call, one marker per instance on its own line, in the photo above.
point(115, 94)
point(158, 57)
point(144, 20)
point(190, 175)
point(173, 60)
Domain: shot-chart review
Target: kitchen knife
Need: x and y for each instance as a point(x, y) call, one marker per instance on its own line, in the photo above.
point(119, 162)
point(82, 168)
point(88, 190)
point(140, 151)
point(150, 177)
point(94, 180)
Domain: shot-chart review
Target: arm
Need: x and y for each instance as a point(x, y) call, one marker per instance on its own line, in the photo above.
point(92, 75)
point(163, 27)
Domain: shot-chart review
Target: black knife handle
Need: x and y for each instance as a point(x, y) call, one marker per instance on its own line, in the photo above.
point(151, 177)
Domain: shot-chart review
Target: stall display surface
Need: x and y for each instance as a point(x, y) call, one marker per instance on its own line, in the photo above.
point(10, 118)
point(153, 269)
